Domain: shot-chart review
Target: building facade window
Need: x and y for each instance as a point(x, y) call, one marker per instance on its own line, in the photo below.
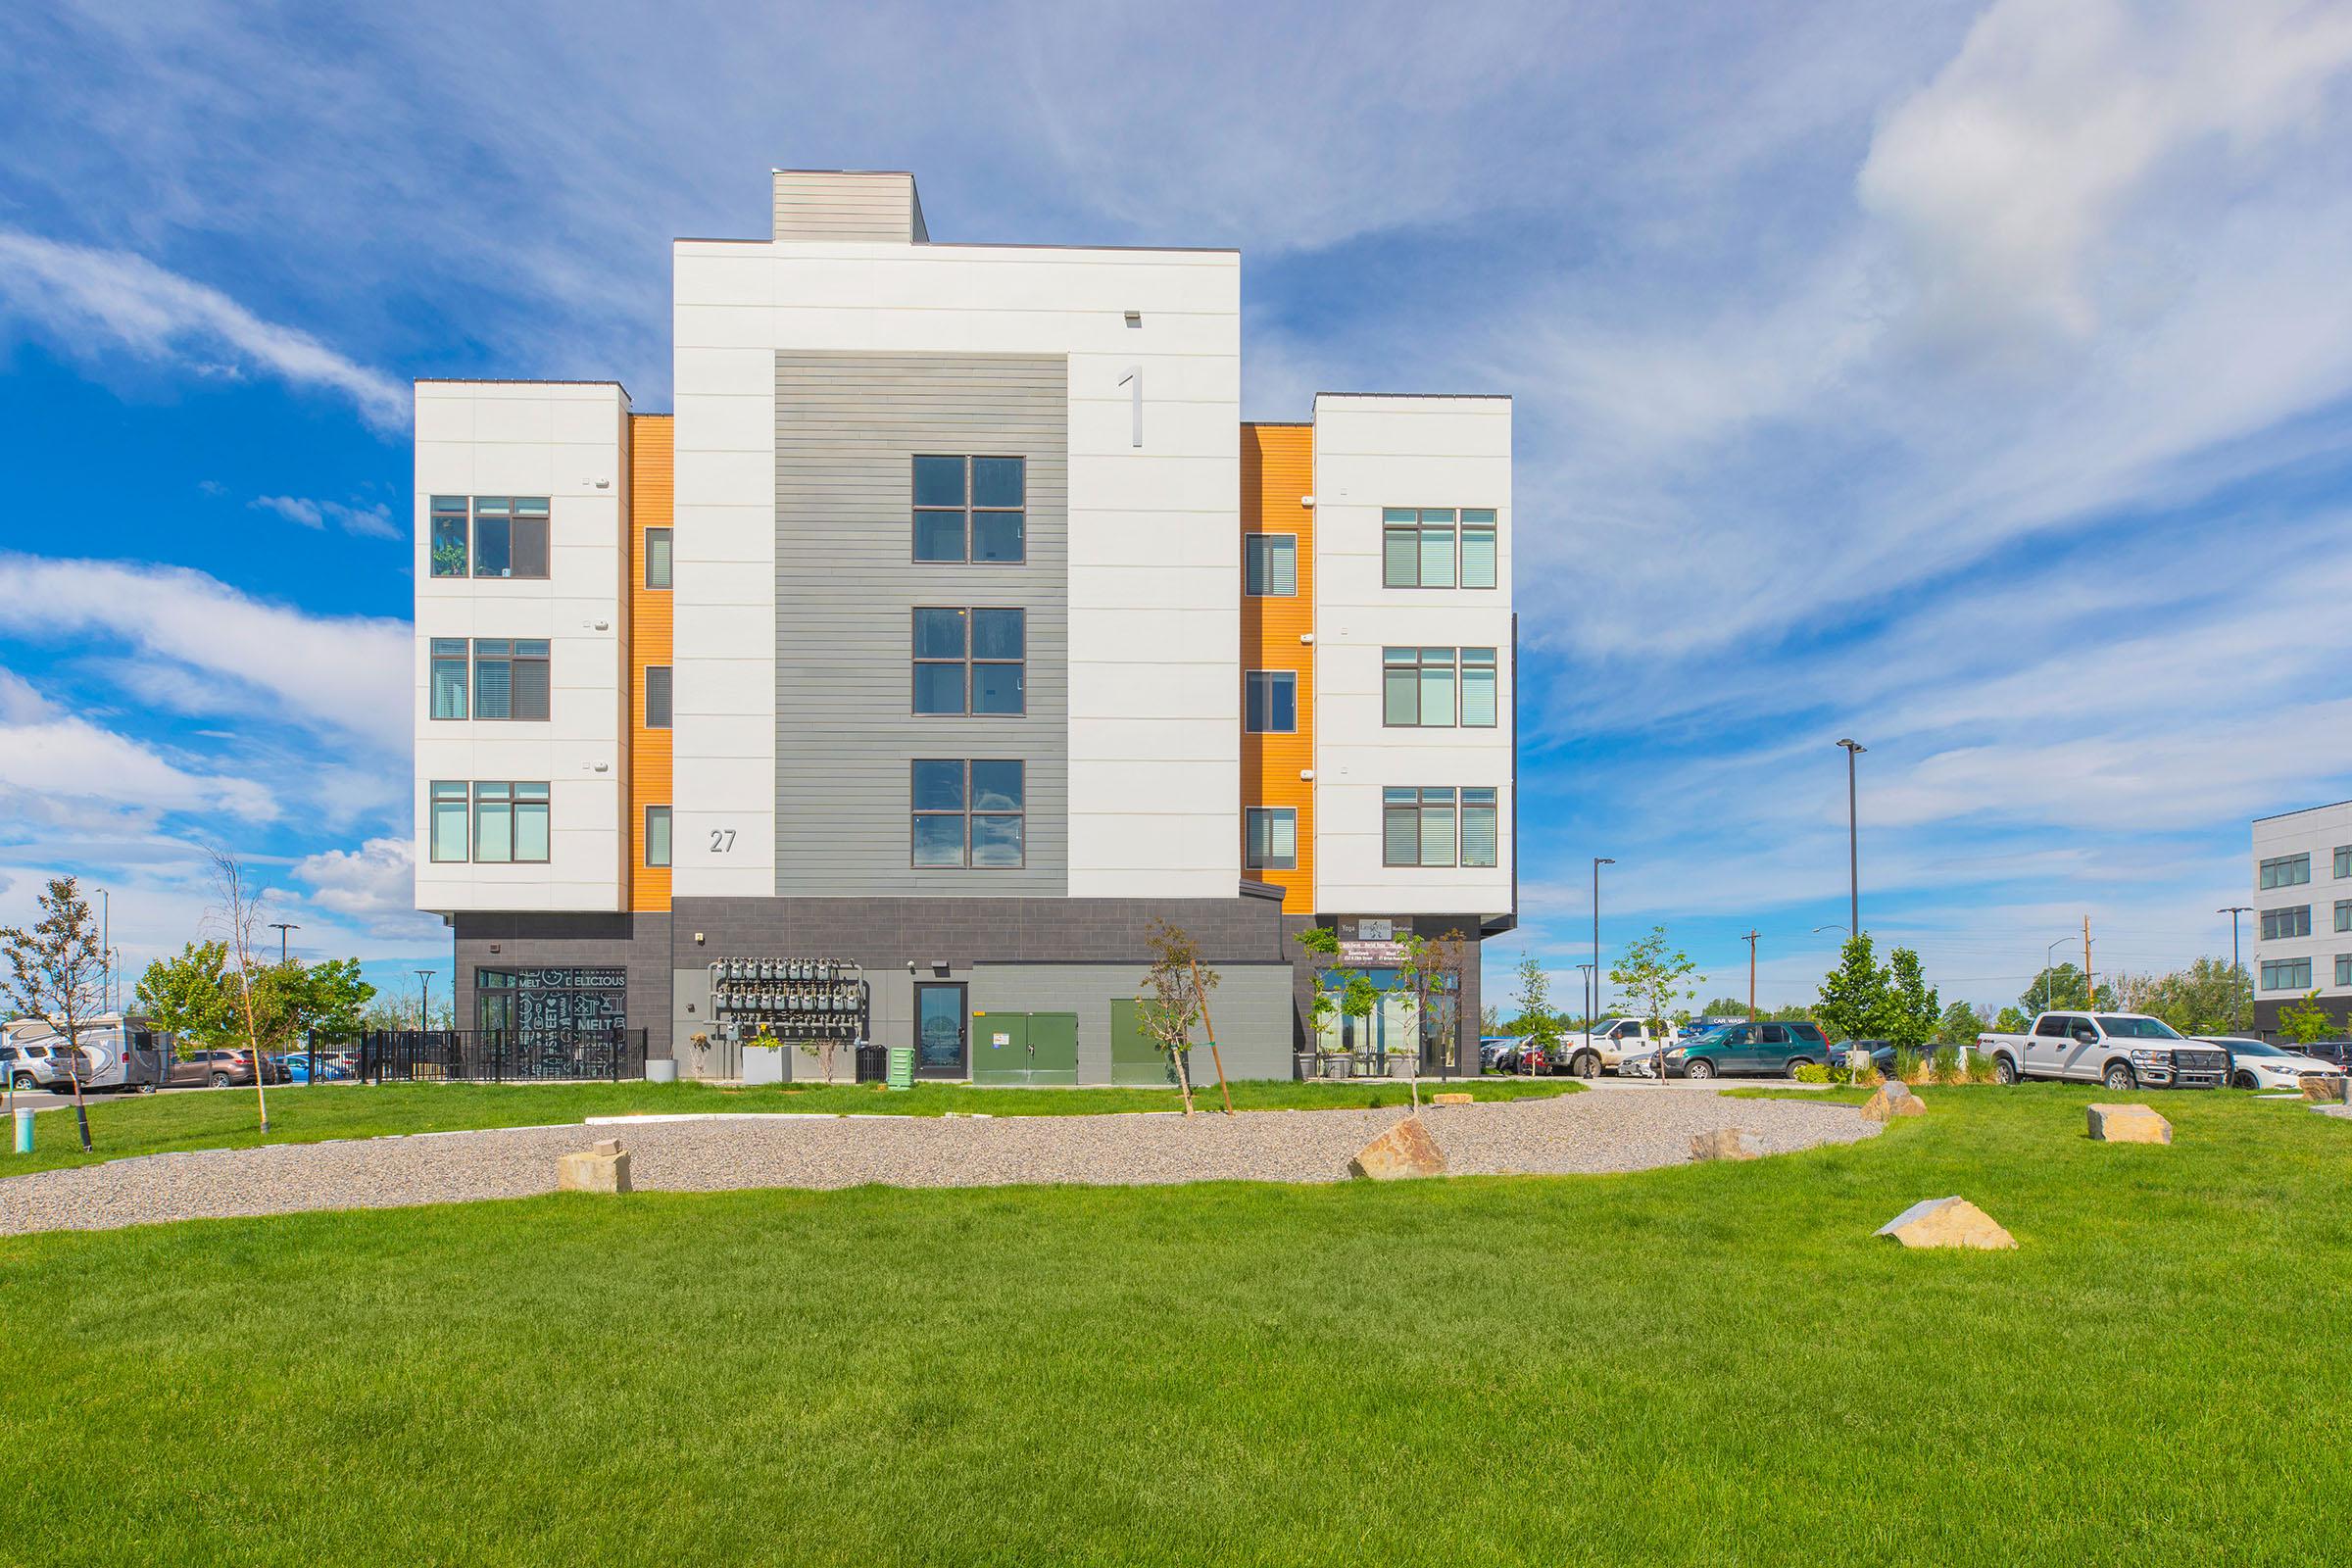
point(1438, 547)
point(510, 536)
point(971, 661)
point(1271, 838)
point(1419, 688)
point(2343, 915)
point(2286, 974)
point(656, 558)
point(1427, 827)
point(657, 697)
point(657, 835)
point(2279, 924)
point(971, 510)
point(1270, 702)
point(444, 829)
point(967, 815)
point(450, 556)
point(510, 823)
point(1270, 565)
point(510, 678)
point(2343, 968)
point(449, 677)
point(2343, 860)
point(2286, 872)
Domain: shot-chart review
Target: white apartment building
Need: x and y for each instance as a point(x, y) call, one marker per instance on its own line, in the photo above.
point(2302, 912)
point(952, 632)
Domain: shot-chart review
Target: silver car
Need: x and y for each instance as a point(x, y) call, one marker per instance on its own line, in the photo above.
point(29, 1067)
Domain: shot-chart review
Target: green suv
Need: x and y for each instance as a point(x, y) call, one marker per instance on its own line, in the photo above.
point(1770, 1049)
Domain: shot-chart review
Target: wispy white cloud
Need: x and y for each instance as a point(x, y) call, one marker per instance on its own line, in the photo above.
point(341, 674)
point(49, 754)
point(81, 297)
point(373, 521)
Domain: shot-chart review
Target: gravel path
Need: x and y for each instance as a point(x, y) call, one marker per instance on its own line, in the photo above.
point(1611, 1127)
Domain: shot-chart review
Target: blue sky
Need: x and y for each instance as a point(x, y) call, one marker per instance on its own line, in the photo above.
point(1975, 380)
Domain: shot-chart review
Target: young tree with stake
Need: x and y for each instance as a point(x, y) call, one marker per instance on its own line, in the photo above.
point(1176, 983)
point(240, 916)
point(56, 975)
point(1655, 979)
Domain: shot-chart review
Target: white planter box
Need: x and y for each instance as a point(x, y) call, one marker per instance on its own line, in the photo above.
point(764, 1064)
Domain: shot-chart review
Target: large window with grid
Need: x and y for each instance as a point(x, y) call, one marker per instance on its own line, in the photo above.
point(971, 661)
point(968, 813)
point(2286, 974)
point(2279, 924)
point(1271, 838)
point(971, 510)
point(1440, 827)
point(2343, 860)
point(1270, 565)
point(510, 678)
point(1270, 702)
point(508, 824)
point(2286, 872)
point(2343, 915)
point(1424, 687)
point(508, 538)
point(1438, 547)
point(2343, 968)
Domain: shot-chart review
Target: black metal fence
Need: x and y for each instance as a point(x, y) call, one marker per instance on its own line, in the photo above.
point(496, 1055)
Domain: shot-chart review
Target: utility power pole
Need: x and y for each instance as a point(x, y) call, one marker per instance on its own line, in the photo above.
point(2090, 991)
point(2233, 911)
point(1751, 939)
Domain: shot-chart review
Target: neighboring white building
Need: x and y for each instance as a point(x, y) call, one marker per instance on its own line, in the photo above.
point(955, 627)
point(2302, 911)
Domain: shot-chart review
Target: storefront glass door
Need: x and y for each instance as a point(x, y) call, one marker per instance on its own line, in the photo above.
point(940, 1031)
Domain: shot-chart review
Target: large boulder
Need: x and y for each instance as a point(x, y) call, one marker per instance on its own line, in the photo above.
point(1948, 1222)
point(2128, 1124)
point(2322, 1088)
point(1726, 1142)
point(1404, 1151)
point(1894, 1099)
point(602, 1170)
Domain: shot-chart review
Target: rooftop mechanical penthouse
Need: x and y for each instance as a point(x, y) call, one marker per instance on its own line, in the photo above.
point(952, 631)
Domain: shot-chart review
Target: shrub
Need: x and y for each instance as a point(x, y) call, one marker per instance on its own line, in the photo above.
point(1811, 1074)
point(1980, 1069)
point(1907, 1064)
point(1947, 1064)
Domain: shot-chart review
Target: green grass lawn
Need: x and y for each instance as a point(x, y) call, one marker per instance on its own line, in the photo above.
point(1710, 1364)
point(151, 1124)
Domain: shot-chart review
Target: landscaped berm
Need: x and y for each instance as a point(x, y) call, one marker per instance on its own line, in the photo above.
point(1714, 1363)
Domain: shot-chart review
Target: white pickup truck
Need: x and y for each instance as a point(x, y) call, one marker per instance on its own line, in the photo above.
point(2124, 1051)
point(1609, 1043)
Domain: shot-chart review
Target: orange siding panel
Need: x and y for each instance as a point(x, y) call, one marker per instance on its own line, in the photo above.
point(651, 491)
point(1278, 471)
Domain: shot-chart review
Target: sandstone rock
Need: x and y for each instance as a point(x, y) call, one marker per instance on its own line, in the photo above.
point(1948, 1222)
point(1450, 1100)
point(1893, 1100)
point(2128, 1124)
point(602, 1170)
point(1726, 1142)
point(2325, 1088)
point(1404, 1150)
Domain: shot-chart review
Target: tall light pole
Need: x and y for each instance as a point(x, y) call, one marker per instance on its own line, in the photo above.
point(1599, 860)
point(1854, 835)
point(1590, 977)
point(425, 999)
point(106, 942)
point(2049, 957)
point(2233, 911)
point(281, 927)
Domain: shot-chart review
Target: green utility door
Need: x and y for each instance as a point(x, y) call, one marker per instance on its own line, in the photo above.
point(1025, 1047)
point(1134, 1057)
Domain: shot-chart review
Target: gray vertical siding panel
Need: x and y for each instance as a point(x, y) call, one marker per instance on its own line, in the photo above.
point(822, 205)
point(848, 427)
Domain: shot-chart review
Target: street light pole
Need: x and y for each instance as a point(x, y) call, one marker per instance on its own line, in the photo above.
point(281, 927)
point(1591, 977)
point(1854, 835)
point(425, 999)
point(2233, 911)
point(1599, 860)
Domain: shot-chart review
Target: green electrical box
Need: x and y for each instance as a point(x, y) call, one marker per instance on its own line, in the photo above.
point(1136, 1059)
point(1025, 1047)
point(902, 1067)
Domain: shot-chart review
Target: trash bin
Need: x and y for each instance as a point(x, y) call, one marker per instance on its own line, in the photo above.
point(874, 1065)
point(902, 1066)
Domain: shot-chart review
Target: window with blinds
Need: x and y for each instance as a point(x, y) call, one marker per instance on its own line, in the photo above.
point(1428, 827)
point(1438, 547)
point(1270, 839)
point(1270, 565)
